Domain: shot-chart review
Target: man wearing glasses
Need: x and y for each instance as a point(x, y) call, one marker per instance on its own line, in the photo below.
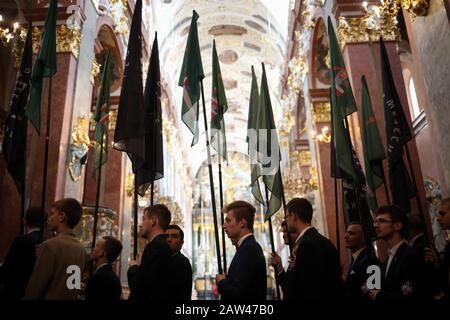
point(401, 272)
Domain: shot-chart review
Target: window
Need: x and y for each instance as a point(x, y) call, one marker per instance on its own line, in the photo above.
point(414, 102)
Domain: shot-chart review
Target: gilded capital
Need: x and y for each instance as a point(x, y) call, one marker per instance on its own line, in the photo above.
point(67, 40)
point(321, 112)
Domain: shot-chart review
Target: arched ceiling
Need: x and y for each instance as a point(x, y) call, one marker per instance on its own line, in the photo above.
point(247, 32)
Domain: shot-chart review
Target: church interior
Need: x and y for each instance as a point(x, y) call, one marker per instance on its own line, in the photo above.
point(291, 38)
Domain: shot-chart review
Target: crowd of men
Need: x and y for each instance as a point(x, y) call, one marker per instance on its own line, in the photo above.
point(412, 269)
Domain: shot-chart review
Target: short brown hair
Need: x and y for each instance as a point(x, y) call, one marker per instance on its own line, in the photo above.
point(162, 213)
point(302, 208)
point(242, 210)
point(113, 248)
point(72, 208)
point(33, 217)
point(175, 227)
point(396, 214)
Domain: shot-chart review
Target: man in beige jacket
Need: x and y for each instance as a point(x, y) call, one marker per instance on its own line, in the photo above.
point(60, 259)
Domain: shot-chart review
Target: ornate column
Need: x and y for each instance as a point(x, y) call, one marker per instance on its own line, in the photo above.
point(68, 37)
point(354, 32)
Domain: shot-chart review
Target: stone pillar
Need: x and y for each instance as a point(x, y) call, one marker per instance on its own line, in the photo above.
point(68, 43)
point(322, 118)
point(359, 62)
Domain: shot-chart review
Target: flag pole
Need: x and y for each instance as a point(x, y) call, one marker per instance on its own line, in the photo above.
point(272, 244)
point(336, 200)
point(388, 198)
point(47, 138)
point(369, 248)
point(135, 217)
point(224, 249)
point(283, 198)
point(22, 195)
point(97, 198)
point(211, 183)
point(416, 195)
point(336, 207)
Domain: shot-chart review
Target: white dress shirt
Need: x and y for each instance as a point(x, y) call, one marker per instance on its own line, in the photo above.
point(302, 233)
point(243, 238)
point(392, 252)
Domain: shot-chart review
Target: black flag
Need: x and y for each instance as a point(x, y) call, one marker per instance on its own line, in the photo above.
point(130, 129)
point(397, 135)
point(14, 143)
point(153, 167)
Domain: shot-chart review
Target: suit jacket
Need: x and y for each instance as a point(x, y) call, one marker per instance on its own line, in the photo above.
point(356, 278)
point(247, 277)
point(443, 273)
point(282, 279)
point(49, 278)
point(104, 285)
point(404, 279)
point(18, 265)
point(419, 246)
point(183, 272)
point(154, 278)
point(316, 273)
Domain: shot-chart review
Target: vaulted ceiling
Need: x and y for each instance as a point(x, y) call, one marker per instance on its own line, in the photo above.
point(247, 32)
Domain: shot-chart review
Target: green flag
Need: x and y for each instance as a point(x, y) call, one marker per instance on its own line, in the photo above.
point(44, 66)
point(218, 108)
point(339, 77)
point(372, 146)
point(343, 104)
point(190, 77)
point(268, 148)
point(102, 117)
point(252, 139)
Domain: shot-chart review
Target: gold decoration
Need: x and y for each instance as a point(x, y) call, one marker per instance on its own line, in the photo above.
point(17, 47)
point(105, 227)
point(79, 147)
point(67, 40)
point(321, 112)
point(121, 25)
point(95, 70)
point(304, 157)
point(7, 35)
point(129, 184)
point(80, 133)
point(324, 136)
point(111, 122)
point(378, 21)
point(308, 20)
point(415, 7)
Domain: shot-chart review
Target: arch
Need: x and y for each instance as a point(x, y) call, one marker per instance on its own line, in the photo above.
point(319, 58)
point(107, 39)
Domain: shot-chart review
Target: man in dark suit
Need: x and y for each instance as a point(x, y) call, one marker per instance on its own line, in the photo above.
point(275, 259)
point(416, 237)
point(104, 283)
point(153, 278)
point(183, 269)
point(19, 263)
point(402, 273)
point(355, 283)
point(316, 273)
point(247, 277)
point(442, 266)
